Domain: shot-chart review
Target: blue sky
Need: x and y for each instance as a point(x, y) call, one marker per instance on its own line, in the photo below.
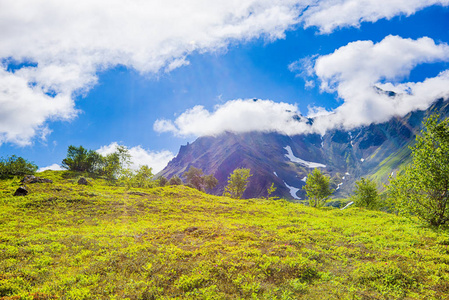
point(154, 76)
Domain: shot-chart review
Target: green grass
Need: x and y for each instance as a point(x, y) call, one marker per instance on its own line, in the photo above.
point(396, 162)
point(66, 241)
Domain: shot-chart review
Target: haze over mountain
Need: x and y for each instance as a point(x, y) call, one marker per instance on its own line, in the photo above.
point(375, 151)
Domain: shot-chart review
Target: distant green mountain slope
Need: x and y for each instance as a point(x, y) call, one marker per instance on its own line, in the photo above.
point(375, 151)
point(100, 241)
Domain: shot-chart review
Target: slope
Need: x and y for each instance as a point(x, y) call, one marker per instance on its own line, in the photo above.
point(67, 241)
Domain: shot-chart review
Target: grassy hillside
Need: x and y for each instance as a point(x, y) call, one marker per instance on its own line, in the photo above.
point(67, 241)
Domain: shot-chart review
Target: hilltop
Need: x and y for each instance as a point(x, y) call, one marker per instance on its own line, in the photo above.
point(101, 241)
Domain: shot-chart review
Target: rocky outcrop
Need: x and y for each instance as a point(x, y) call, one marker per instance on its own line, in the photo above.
point(34, 179)
point(21, 191)
point(83, 181)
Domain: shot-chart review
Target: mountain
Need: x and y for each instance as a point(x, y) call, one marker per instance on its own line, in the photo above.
point(375, 151)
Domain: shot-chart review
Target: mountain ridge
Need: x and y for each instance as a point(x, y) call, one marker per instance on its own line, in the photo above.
point(374, 151)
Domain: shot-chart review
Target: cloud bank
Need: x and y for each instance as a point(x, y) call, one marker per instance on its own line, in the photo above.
point(51, 51)
point(235, 116)
point(140, 156)
point(361, 73)
point(333, 14)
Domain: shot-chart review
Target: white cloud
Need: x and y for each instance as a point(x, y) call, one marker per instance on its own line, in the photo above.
point(69, 41)
point(139, 156)
point(332, 14)
point(357, 71)
point(235, 116)
point(316, 111)
point(54, 167)
point(25, 108)
point(361, 73)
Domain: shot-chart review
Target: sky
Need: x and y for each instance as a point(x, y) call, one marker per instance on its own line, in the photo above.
point(154, 75)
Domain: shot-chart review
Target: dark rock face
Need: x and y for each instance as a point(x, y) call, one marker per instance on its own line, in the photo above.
point(83, 181)
point(346, 156)
point(35, 179)
point(21, 191)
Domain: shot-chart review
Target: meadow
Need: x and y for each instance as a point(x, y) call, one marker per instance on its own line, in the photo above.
point(102, 241)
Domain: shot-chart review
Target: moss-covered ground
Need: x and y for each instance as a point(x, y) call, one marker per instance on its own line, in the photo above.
point(68, 241)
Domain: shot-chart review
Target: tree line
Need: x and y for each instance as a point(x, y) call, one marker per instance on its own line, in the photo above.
point(115, 166)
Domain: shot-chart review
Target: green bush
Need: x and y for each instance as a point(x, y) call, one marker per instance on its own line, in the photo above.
point(237, 183)
point(365, 194)
point(422, 189)
point(16, 166)
point(317, 188)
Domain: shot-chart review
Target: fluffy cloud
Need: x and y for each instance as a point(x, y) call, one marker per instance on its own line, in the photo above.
point(236, 116)
point(54, 167)
point(65, 43)
point(24, 108)
point(332, 14)
point(361, 73)
point(140, 156)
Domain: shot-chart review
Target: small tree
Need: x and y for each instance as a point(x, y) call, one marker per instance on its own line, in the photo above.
point(317, 188)
point(175, 180)
point(423, 188)
point(114, 163)
point(16, 166)
point(365, 194)
point(162, 181)
point(237, 183)
point(210, 181)
point(270, 191)
point(196, 178)
point(141, 178)
point(77, 159)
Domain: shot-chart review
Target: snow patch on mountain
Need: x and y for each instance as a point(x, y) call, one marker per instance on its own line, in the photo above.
point(338, 186)
point(275, 174)
point(304, 179)
point(293, 191)
point(300, 161)
point(349, 204)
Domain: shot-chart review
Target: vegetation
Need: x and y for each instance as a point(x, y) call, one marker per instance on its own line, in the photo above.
point(237, 183)
point(270, 191)
point(423, 188)
point(317, 188)
point(112, 165)
point(69, 241)
point(141, 178)
point(16, 166)
point(162, 181)
point(156, 239)
point(175, 180)
point(365, 194)
point(81, 160)
point(196, 178)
